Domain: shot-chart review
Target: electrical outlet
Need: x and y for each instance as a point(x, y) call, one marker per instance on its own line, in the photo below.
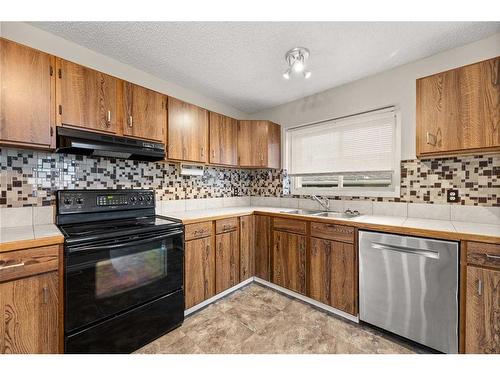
point(452, 196)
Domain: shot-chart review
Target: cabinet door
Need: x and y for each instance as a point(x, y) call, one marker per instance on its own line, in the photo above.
point(145, 113)
point(482, 311)
point(227, 261)
point(247, 257)
point(199, 261)
point(289, 261)
point(187, 131)
point(458, 110)
point(274, 146)
point(86, 98)
point(332, 279)
point(223, 140)
point(29, 315)
point(262, 244)
point(252, 143)
point(27, 96)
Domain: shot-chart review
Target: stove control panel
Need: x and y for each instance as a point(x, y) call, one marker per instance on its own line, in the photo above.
point(88, 201)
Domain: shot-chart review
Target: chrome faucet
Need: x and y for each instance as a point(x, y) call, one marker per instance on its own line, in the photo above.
point(325, 203)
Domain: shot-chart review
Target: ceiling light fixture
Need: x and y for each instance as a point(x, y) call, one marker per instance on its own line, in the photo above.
point(296, 60)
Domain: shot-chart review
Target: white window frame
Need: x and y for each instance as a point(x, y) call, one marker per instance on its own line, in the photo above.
point(394, 190)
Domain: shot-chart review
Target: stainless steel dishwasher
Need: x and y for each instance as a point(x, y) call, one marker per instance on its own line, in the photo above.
point(409, 286)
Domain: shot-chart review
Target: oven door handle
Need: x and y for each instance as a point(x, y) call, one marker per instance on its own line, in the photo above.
point(125, 244)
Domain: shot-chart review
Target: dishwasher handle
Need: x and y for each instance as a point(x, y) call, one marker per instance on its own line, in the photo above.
point(407, 250)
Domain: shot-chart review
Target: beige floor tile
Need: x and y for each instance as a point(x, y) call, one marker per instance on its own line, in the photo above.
point(257, 320)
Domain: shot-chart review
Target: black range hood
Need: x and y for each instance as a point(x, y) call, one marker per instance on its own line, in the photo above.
point(73, 141)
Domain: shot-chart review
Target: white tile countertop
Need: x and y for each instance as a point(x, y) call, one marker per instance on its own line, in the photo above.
point(478, 229)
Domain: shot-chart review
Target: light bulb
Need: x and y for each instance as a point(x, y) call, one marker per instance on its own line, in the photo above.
point(286, 75)
point(307, 74)
point(298, 66)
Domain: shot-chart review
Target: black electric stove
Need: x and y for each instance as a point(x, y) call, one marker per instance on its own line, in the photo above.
point(123, 270)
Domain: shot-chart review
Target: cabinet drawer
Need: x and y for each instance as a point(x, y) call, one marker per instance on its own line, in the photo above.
point(226, 225)
point(483, 254)
point(23, 263)
point(290, 225)
point(332, 232)
point(199, 230)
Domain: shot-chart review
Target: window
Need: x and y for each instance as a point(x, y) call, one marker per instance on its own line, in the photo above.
point(356, 155)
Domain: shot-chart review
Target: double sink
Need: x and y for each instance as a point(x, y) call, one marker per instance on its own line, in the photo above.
point(341, 215)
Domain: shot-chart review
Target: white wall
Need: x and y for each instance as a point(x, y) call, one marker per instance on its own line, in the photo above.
point(31, 36)
point(393, 87)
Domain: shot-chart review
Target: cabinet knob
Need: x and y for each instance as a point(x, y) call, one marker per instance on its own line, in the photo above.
point(130, 121)
point(479, 287)
point(202, 152)
point(430, 139)
point(108, 119)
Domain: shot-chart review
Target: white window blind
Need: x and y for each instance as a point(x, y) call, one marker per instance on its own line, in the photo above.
point(359, 143)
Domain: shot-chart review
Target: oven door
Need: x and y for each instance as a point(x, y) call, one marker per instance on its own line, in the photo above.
point(103, 279)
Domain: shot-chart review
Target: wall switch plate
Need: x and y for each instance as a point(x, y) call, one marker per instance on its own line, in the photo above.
point(452, 196)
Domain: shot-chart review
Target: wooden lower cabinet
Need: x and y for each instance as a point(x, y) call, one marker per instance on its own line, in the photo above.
point(247, 248)
point(262, 247)
point(332, 274)
point(289, 261)
point(482, 311)
point(199, 264)
point(29, 315)
point(227, 261)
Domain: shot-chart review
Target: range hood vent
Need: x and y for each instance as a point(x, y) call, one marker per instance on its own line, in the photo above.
point(73, 141)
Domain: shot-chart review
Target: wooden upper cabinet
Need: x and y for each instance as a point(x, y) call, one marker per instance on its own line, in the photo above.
point(458, 111)
point(187, 131)
point(482, 311)
point(259, 144)
point(144, 111)
point(332, 276)
point(86, 98)
point(289, 261)
point(27, 96)
point(223, 140)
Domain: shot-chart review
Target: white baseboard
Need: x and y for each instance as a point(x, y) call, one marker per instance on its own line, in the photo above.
point(275, 287)
point(308, 300)
point(217, 297)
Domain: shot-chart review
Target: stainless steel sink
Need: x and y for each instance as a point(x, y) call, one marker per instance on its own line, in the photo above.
point(302, 212)
point(339, 215)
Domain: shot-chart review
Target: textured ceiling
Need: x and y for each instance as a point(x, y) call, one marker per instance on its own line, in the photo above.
point(240, 63)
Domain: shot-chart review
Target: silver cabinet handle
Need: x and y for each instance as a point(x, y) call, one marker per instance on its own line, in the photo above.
point(130, 121)
point(408, 250)
point(479, 287)
point(430, 139)
point(108, 123)
point(492, 256)
point(45, 291)
point(12, 266)
point(202, 152)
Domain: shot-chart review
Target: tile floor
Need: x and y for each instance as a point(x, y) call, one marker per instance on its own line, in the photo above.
point(256, 319)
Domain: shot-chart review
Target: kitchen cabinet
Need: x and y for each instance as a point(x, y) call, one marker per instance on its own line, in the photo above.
point(29, 300)
point(223, 140)
point(259, 144)
point(289, 261)
point(187, 131)
point(332, 273)
point(27, 96)
point(247, 247)
point(199, 265)
point(458, 110)
point(483, 311)
point(145, 113)
point(262, 247)
point(227, 260)
point(29, 320)
point(86, 98)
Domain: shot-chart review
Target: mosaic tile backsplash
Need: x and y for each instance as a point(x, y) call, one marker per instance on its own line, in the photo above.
point(29, 178)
